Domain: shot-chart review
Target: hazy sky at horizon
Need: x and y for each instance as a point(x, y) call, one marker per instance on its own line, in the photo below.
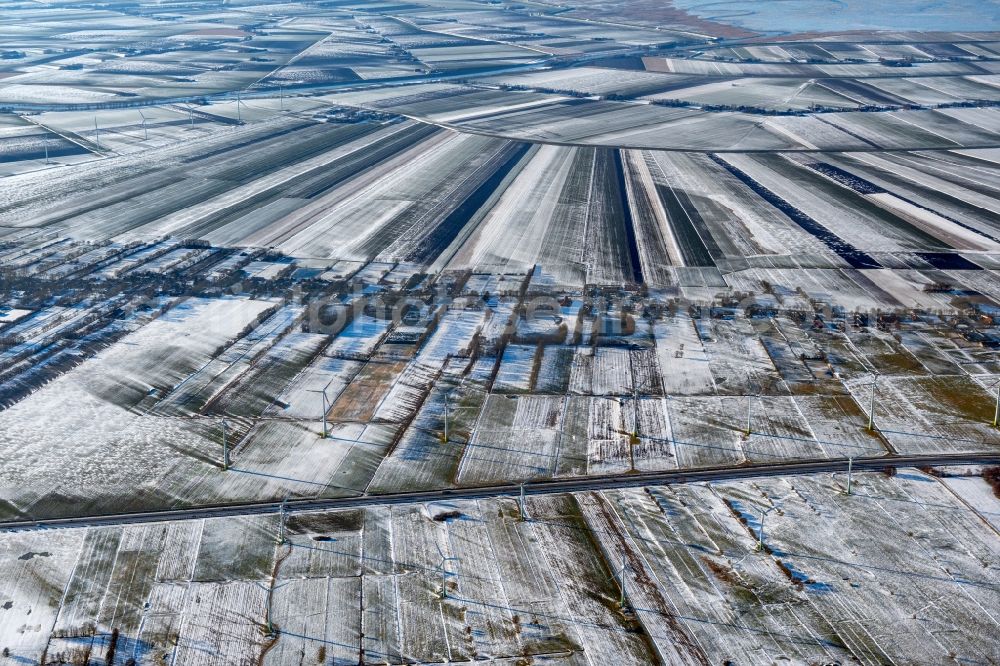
point(836, 15)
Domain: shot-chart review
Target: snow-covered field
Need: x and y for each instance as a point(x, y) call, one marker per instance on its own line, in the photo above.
point(83, 435)
point(322, 251)
point(466, 580)
point(608, 395)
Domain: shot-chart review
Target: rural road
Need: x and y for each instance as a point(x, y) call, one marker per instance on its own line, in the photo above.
point(576, 484)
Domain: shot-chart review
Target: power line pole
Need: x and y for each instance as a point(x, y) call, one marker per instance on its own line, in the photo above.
point(520, 504)
point(282, 515)
point(850, 469)
point(97, 133)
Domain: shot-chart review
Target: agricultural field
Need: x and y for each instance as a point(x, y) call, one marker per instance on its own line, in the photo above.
point(256, 396)
point(456, 331)
point(669, 574)
point(344, 194)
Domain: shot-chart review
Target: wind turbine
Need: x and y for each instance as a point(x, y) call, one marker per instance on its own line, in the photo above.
point(446, 394)
point(270, 592)
point(326, 406)
point(760, 531)
point(871, 404)
point(145, 132)
point(447, 406)
point(621, 580)
point(225, 445)
point(444, 572)
point(995, 386)
point(996, 407)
